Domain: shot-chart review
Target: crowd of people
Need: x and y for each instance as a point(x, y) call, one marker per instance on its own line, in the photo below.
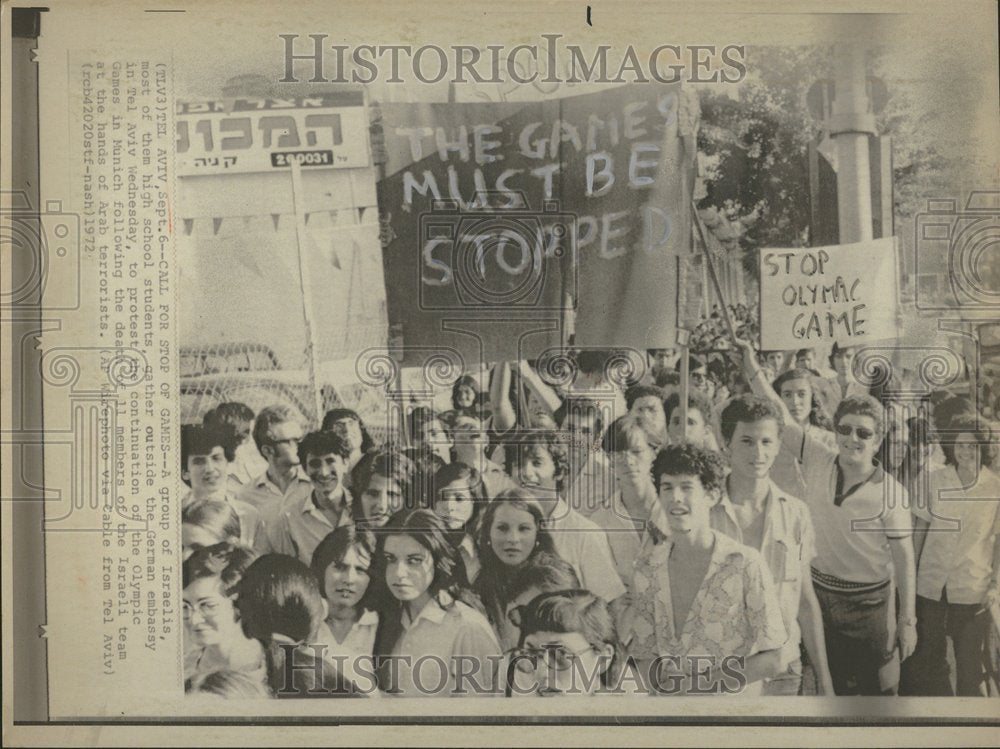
point(784, 532)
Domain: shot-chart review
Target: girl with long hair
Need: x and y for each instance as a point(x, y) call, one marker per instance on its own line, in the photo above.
point(342, 565)
point(458, 497)
point(467, 399)
point(382, 483)
point(436, 632)
point(511, 534)
point(798, 390)
point(957, 543)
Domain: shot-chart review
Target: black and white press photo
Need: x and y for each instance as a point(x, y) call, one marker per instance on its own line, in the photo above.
point(517, 368)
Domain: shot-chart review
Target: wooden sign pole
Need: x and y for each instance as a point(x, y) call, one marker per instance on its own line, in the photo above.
point(712, 274)
point(301, 245)
point(683, 342)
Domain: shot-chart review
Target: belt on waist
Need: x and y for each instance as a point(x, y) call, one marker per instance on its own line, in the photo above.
point(829, 582)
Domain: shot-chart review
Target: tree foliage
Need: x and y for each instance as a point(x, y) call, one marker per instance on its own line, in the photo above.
point(756, 143)
point(756, 147)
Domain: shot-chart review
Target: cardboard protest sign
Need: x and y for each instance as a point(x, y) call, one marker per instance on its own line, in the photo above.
point(815, 295)
point(494, 213)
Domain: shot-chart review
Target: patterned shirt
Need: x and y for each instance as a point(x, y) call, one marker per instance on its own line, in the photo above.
point(735, 612)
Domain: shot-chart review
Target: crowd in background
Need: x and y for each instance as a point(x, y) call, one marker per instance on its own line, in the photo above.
point(789, 531)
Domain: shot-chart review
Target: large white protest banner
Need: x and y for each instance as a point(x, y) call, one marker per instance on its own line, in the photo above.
point(818, 295)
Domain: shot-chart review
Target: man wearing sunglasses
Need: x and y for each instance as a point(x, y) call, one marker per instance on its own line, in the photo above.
point(864, 530)
point(864, 548)
point(698, 375)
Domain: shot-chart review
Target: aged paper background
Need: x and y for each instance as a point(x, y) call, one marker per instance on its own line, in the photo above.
point(948, 50)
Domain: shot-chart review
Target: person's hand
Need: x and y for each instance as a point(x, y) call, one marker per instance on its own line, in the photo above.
point(906, 636)
point(746, 350)
point(992, 596)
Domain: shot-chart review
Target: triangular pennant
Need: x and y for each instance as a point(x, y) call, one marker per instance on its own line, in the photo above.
point(275, 218)
point(216, 224)
point(188, 226)
point(305, 219)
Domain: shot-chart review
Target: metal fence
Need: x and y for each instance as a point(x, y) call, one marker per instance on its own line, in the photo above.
point(251, 373)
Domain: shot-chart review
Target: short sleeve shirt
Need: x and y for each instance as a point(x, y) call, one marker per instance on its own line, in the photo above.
point(852, 537)
point(265, 495)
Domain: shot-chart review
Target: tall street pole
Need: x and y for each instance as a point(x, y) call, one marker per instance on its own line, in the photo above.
point(851, 124)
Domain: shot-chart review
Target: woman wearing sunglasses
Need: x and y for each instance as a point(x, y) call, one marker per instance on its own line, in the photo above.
point(864, 548)
point(569, 645)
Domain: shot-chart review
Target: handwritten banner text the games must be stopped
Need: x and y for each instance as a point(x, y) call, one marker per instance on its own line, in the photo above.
point(495, 211)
